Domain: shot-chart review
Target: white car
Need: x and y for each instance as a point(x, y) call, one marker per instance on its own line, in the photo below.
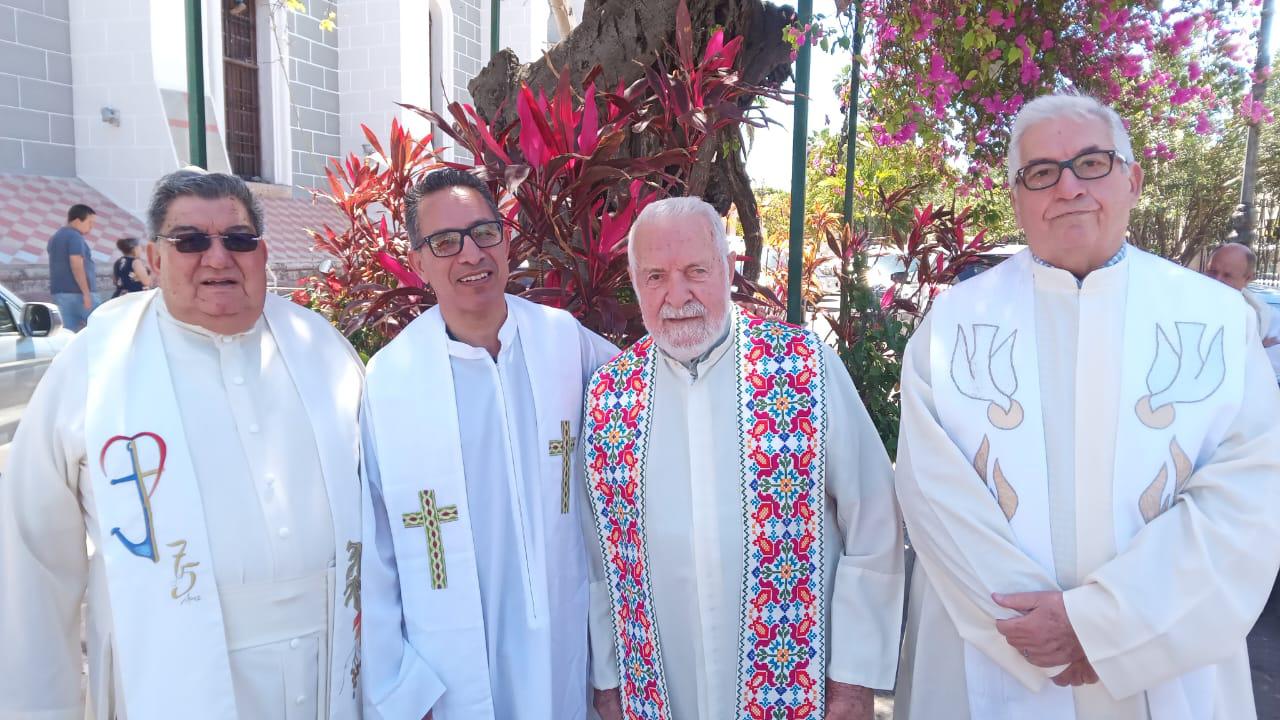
point(30, 335)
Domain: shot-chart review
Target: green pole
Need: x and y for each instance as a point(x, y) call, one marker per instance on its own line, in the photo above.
point(851, 148)
point(195, 87)
point(495, 15)
point(851, 151)
point(799, 157)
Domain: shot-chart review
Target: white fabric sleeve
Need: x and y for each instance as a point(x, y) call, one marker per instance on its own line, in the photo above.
point(1189, 587)
point(397, 682)
point(960, 536)
point(43, 562)
point(866, 602)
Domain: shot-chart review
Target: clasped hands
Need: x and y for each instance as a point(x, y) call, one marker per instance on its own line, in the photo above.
point(1044, 636)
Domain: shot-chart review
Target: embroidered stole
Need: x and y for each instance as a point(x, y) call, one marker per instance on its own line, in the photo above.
point(168, 631)
point(413, 406)
point(1181, 383)
point(781, 424)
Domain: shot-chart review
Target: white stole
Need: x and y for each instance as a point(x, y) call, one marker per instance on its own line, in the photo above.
point(168, 630)
point(1181, 383)
point(411, 398)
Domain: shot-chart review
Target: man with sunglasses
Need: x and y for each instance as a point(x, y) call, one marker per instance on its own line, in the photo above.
point(205, 437)
point(475, 574)
point(1087, 462)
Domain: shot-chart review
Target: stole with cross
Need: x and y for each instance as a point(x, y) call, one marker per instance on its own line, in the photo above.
point(431, 515)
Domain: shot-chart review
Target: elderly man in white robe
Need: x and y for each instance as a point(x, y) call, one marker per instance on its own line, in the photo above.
point(476, 578)
point(1234, 265)
point(743, 504)
point(204, 437)
point(1087, 463)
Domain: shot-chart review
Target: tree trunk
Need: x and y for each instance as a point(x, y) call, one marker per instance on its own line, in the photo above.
point(561, 12)
point(622, 37)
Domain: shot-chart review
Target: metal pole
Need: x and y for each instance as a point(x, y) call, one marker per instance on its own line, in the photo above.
point(1243, 219)
point(195, 86)
point(851, 149)
point(799, 160)
point(495, 16)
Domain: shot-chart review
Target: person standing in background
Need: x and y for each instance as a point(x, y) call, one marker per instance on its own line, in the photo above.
point(130, 272)
point(71, 268)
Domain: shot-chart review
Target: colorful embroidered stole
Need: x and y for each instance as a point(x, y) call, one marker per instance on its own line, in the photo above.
point(781, 426)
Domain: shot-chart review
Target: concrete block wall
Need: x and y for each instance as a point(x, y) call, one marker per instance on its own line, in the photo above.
point(470, 49)
point(113, 63)
point(378, 40)
point(314, 94)
point(37, 134)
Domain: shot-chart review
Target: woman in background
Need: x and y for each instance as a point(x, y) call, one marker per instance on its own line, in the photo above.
point(130, 271)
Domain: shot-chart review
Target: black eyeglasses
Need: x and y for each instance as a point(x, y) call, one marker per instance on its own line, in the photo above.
point(198, 242)
point(1091, 165)
point(445, 243)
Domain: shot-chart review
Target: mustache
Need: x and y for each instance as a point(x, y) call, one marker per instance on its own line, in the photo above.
point(691, 309)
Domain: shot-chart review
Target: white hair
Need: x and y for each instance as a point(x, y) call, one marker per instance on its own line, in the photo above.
point(1069, 105)
point(675, 208)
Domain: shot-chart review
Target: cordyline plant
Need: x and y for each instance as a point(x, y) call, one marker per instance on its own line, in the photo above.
point(570, 183)
point(873, 327)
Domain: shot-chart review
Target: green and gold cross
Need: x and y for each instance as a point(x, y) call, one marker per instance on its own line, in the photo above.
point(564, 448)
point(429, 520)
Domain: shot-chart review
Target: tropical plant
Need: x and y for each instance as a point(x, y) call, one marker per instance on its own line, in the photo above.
point(568, 190)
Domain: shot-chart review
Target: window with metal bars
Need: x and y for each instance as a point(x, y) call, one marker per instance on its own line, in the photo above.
point(240, 74)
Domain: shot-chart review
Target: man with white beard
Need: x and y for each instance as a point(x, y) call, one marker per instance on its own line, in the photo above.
point(765, 577)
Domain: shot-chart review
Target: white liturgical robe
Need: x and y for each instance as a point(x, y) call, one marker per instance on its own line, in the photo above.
point(261, 482)
point(694, 527)
point(1175, 601)
point(525, 556)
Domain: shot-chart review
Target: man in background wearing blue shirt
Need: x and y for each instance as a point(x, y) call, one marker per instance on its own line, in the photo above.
point(71, 268)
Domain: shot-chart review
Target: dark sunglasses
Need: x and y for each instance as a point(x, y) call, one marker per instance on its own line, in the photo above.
point(198, 242)
point(446, 243)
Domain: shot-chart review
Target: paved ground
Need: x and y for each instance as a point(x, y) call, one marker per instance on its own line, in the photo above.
point(1264, 656)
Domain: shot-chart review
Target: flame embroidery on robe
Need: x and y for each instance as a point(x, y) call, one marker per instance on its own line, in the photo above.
point(1006, 496)
point(983, 370)
point(1186, 374)
point(351, 598)
point(1153, 500)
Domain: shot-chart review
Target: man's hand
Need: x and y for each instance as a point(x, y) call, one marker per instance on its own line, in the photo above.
point(1270, 342)
point(88, 301)
point(1043, 634)
point(849, 702)
point(1077, 673)
point(609, 704)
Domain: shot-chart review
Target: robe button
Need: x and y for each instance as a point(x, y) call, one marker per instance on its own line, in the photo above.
point(300, 699)
point(294, 643)
point(254, 428)
point(284, 532)
point(237, 380)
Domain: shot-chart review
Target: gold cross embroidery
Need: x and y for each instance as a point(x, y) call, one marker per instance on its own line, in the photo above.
point(564, 448)
point(429, 520)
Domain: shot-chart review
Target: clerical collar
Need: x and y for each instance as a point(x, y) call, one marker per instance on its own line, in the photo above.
point(506, 336)
point(692, 366)
point(1115, 259)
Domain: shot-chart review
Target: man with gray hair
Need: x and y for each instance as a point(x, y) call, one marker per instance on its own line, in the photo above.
point(204, 436)
point(1087, 462)
point(744, 513)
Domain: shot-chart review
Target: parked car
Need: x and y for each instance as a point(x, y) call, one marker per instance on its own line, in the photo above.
point(30, 335)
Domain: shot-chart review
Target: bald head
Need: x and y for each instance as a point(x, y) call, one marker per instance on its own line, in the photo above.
point(1232, 264)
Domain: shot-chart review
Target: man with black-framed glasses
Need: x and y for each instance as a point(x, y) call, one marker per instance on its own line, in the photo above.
point(1087, 462)
point(476, 579)
point(205, 437)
